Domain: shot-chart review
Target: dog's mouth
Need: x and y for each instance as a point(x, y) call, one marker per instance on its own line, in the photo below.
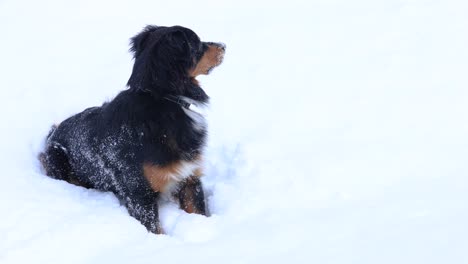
point(212, 58)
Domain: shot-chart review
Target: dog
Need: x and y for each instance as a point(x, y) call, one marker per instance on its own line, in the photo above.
point(147, 142)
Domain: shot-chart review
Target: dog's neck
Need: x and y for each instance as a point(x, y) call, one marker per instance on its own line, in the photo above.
point(178, 100)
point(191, 94)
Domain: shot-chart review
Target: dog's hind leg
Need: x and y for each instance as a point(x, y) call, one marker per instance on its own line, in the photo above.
point(56, 164)
point(55, 161)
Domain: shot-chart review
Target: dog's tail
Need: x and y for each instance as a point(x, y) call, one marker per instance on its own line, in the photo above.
point(52, 131)
point(55, 161)
point(43, 157)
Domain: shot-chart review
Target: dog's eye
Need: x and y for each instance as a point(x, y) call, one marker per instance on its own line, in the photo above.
point(202, 49)
point(199, 50)
point(198, 55)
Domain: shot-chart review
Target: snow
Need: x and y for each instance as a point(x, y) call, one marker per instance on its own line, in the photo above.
point(338, 132)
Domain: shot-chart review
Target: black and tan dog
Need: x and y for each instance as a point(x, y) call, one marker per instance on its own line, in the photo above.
point(147, 141)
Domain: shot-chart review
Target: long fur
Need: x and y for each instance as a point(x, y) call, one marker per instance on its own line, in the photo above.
point(107, 147)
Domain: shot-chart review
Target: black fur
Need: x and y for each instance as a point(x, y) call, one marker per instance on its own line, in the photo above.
point(105, 147)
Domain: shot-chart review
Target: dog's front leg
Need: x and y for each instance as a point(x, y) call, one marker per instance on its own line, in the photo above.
point(190, 195)
point(145, 210)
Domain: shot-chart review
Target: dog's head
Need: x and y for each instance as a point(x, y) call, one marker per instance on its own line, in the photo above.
point(167, 60)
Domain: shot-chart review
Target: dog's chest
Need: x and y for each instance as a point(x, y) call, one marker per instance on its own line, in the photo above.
point(165, 178)
point(197, 116)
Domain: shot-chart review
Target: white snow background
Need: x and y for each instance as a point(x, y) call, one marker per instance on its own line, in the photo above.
point(338, 132)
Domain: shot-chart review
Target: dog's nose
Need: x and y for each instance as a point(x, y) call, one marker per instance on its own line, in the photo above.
point(222, 46)
point(219, 45)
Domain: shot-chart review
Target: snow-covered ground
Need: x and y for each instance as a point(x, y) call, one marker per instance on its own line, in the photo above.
point(338, 132)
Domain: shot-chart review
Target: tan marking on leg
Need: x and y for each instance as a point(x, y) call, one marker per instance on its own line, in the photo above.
point(160, 230)
point(188, 205)
point(187, 196)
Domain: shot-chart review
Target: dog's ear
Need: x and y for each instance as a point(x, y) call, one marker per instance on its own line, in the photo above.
point(162, 60)
point(139, 41)
point(178, 44)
